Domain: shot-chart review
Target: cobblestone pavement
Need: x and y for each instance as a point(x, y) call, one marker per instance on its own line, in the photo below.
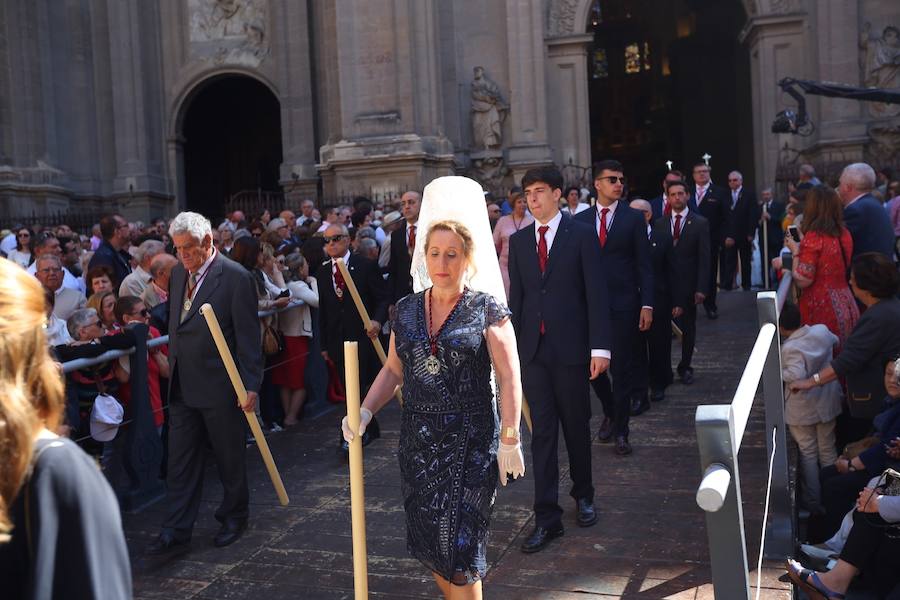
point(650, 541)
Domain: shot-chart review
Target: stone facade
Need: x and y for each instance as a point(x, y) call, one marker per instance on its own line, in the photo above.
point(376, 95)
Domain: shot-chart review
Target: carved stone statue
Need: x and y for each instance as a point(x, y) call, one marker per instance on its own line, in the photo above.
point(488, 112)
point(881, 63)
point(229, 31)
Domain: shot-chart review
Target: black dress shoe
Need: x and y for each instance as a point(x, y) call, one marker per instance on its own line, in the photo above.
point(167, 543)
point(687, 378)
point(231, 531)
point(540, 537)
point(623, 448)
point(712, 313)
point(657, 395)
point(587, 516)
point(605, 432)
point(639, 405)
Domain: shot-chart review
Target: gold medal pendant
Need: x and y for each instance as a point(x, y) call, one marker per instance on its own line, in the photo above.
point(186, 306)
point(339, 292)
point(432, 364)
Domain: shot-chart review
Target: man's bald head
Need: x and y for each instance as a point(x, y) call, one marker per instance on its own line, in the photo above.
point(161, 268)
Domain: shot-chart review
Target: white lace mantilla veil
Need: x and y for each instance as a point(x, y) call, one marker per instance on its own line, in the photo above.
point(459, 199)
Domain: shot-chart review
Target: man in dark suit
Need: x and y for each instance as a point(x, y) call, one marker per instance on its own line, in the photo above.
point(113, 250)
point(561, 316)
point(688, 232)
point(203, 406)
point(625, 264)
point(403, 242)
point(339, 320)
point(653, 364)
point(771, 215)
point(658, 204)
point(740, 229)
point(864, 216)
point(712, 202)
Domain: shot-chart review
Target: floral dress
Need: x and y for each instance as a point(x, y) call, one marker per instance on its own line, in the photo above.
point(448, 435)
point(825, 259)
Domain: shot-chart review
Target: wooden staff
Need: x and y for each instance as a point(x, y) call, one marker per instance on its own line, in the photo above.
point(364, 315)
point(213, 323)
point(357, 491)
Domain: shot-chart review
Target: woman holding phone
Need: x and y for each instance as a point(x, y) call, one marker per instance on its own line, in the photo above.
point(821, 264)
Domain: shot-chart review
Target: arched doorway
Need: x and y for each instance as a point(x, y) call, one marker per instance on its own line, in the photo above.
point(669, 82)
point(232, 142)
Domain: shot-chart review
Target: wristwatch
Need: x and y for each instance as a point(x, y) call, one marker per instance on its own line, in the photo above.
point(509, 432)
point(817, 379)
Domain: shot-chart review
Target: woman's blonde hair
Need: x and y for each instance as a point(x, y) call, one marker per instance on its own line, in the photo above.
point(460, 231)
point(32, 393)
point(96, 302)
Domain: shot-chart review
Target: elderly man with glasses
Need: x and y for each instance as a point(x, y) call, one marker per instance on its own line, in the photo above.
point(49, 271)
point(47, 244)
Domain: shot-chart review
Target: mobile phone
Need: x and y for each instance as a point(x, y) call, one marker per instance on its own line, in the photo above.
point(795, 233)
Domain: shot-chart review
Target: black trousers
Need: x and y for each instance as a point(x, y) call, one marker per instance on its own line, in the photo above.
point(190, 429)
point(558, 395)
point(873, 547)
point(369, 365)
point(615, 396)
point(741, 249)
point(688, 324)
point(839, 493)
point(774, 251)
point(710, 302)
point(658, 342)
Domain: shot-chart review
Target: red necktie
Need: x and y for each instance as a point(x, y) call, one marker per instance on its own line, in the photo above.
point(411, 243)
point(676, 229)
point(667, 208)
point(339, 284)
point(603, 214)
point(542, 257)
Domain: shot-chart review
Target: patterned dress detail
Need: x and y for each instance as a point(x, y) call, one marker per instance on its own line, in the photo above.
point(824, 259)
point(448, 435)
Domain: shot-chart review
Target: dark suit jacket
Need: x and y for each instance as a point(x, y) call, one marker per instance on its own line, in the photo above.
point(715, 209)
point(662, 254)
point(774, 232)
point(117, 260)
point(657, 205)
point(742, 219)
point(339, 320)
point(570, 297)
point(691, 256)
point(625, 259)
point(230, 289)
point(870, 226)
point(399, 279)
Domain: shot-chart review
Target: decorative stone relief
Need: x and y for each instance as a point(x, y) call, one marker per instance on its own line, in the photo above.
point(561, 17)
point(490, 170)
point(885, 145)
point(488, 112)
point(229, 31)
point(880, 58)
point(782, 6)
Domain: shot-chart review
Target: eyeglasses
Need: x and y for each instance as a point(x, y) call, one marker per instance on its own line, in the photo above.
point(50, 270)
point(613, 179)
point(24, 234)
point(334, 238)
point(256, 233)
point(143, 313)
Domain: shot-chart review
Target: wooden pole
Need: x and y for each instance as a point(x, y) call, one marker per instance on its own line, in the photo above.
point(357, 491)
point(364, 315)
point(213, 323)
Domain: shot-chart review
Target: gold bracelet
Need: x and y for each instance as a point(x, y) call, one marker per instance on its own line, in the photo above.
point(509, 432)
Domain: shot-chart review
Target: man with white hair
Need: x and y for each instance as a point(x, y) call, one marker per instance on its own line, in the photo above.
point(306, 212)
point(157, 291)
point(864, 216)
point(49, 271)
point(203, 406)
point(807, 177)
point(137, 281)
point(740, 229)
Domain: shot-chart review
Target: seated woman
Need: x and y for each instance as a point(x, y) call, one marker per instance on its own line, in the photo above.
point(872, 549)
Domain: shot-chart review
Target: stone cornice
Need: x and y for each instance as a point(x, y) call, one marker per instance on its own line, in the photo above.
point(755, 23)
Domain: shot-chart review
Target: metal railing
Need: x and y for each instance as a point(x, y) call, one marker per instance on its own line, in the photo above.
point(132, 462)
point(720, 432)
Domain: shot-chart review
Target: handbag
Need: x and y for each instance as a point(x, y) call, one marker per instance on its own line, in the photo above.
point(272, 339)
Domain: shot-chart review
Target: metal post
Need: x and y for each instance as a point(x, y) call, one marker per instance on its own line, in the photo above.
point(780, 535)
point(724, 527)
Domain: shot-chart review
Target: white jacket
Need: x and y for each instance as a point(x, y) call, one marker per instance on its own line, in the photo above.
point(297, 322)
point(807, 351)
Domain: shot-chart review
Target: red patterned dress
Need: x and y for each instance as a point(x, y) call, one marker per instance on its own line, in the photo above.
point(824, 260)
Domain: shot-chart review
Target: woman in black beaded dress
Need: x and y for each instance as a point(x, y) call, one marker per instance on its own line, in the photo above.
point(454, 446)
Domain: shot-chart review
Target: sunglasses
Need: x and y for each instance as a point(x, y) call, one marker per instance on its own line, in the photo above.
point(334, 238)
point(144, 313)
point(613, 179)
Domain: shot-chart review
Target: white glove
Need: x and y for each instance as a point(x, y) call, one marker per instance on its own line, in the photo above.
point(510, 460)
point(365, 417)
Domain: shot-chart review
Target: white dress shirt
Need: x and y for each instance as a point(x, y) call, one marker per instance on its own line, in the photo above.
point(609, 216)
point(701, 192)
point(201, 275)
point(549, 236)
point(684, 215)
point(334, 266)
point(69, 280)
point(735, 194)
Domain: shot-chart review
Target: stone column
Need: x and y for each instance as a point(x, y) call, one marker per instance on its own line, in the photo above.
point(528, 145)
point(567, 77)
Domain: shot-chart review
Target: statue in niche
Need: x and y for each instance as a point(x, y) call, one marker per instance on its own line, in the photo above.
point(488, 112)
point(881, 65)
point(229, 31)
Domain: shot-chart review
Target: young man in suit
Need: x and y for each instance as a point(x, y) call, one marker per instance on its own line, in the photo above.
point(339, 320)
point(711, 201)
point(403, 243)
point(621, 234)
point(739, 233)
point(658, 204)
point(654, 348)
point(865, 216)
point(688, 232)
point(561, 316)
point(203, 406)
point(770, 217)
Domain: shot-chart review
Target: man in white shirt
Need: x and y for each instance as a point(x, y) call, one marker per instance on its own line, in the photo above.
point(47, 244)
point(49, 271)
point(137, 281)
